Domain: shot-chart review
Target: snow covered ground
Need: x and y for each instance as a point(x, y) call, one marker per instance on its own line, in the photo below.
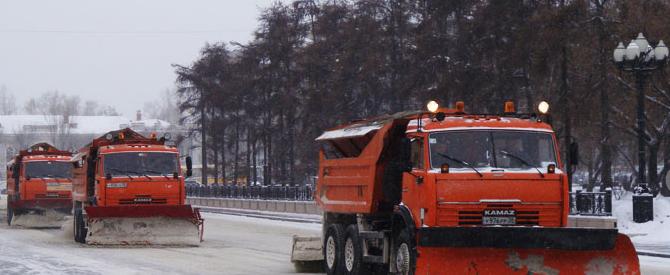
point(233, 245)
point(649, 236)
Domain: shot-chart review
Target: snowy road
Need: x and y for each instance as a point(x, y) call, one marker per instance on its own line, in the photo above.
point(233, 245)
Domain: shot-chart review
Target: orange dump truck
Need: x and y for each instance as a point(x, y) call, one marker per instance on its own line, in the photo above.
point(39, 187)
point(445, 192)
point(129, 189)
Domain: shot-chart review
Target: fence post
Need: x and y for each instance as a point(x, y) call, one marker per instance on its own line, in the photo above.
point(608, 200)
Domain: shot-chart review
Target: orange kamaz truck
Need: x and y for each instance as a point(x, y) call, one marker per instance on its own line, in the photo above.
point(129, 189)
point(445, 192)
point(39, 187)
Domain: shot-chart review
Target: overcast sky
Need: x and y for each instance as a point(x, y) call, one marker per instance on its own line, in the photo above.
point(116, 52)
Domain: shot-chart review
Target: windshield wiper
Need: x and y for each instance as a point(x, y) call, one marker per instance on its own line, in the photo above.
point(159, 173)
point(523, 161)
point(122, 172)
point(461, 162)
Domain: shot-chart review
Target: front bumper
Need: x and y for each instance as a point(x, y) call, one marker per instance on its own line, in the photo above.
point(518, 237)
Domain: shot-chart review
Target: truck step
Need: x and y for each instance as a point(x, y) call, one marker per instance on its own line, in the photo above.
point(373, 259)
point(371, 235)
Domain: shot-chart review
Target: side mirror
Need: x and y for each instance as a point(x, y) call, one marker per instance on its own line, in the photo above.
point(189, 166)
point(406, 154)
point(574, 153)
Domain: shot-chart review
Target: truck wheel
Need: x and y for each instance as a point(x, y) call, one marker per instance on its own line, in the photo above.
point(79, 228)
point(405, 254)
point(74, 225)
point(10, 215)
point(353, 253)
point(332, 249)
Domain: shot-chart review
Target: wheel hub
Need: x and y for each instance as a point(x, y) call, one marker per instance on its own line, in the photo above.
point(330, 252)
point(349, 254)
point(402, 259)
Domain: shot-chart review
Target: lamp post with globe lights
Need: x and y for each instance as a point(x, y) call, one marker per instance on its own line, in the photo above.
point(640, 59)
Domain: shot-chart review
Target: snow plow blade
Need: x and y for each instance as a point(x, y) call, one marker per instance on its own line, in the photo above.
point(307, 254)
point(51, 213)
point(526, 251)
point(171, 225)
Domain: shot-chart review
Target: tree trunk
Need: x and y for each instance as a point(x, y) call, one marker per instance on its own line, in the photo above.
point(248, 157)
point(237, 149)
point(215, 154)
point(567, 115)
point(223, 156)
point(203, 137)
point(652, 171)
point(254, 163)
point(605, 137)
point(665, 189)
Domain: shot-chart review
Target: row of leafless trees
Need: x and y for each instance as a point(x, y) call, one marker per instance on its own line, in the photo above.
point(52, 103)
point(314, 64)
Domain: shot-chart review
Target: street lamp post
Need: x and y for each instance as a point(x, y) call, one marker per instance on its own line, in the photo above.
point(640, 59)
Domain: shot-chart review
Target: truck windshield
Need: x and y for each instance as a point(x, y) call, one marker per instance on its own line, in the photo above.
point(140, 164)
point(492, 149)
point(48, 169)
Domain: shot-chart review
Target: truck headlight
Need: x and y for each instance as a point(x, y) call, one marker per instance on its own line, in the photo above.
point(117, 185)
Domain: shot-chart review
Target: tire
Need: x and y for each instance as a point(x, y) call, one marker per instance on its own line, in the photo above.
point(405, 253)
point(332, 249)
point(352, 261)
point(10, 214)
point(79, 227)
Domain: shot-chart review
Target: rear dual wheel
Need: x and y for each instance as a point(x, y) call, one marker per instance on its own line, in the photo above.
point(332, 249)
point(343, 251)
point(353, 253)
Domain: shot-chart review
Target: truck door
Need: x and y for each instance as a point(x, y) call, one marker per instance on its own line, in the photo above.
point(414, 181)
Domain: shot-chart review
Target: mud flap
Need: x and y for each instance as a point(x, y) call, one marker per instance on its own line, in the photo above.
point(307, 254)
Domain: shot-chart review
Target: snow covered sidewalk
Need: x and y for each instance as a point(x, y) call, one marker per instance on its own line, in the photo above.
point(653, 236)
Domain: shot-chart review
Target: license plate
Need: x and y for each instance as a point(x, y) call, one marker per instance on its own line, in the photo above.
point(498, 220)
point(499, 217)
point(54, 186)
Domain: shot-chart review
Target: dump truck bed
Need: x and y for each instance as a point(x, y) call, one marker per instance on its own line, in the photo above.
point(352, 164)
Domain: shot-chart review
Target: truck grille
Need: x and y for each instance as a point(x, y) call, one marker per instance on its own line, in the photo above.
point(472, 215)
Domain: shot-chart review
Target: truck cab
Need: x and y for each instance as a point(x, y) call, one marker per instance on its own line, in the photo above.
point(39, 180)
point(485, 171)
point(129, 174)
point(125, 181)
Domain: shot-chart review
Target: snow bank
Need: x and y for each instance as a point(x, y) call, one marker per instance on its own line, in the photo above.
point(654, 234)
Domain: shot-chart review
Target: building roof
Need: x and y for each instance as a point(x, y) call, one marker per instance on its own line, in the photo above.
point(97, 125)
